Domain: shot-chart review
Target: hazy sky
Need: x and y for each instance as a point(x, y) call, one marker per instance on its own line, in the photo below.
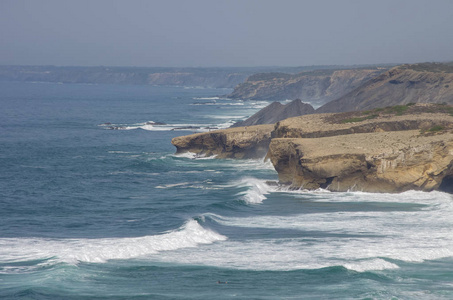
point(191, 33)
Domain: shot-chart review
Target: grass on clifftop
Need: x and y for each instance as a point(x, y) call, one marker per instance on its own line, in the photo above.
point(397, 110)
point(431, 67)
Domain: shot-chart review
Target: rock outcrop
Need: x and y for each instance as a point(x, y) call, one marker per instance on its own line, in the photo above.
point(386, 153)
point(317, 87)
point(276, 111)
point(416, 83)
point(374, 162)
point(241, 142)
point(384, 150)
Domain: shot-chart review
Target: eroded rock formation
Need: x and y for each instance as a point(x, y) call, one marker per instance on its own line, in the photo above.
point(241, 142)
point(374, 162)
point(385, 153)
point(386, 150)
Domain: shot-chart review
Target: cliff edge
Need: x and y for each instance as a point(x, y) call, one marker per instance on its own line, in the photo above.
point(389, 150)
point(393, 149)
point(241, 142)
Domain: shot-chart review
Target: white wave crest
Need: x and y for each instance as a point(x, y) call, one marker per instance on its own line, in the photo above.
point(73, 251)
point(419, 229)
point(192, 155)
point(256, 190)
point(152, 126)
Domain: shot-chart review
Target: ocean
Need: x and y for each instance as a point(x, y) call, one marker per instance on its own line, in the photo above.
point(87, 212)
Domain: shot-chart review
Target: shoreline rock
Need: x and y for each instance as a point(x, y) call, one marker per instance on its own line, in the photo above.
point(240, 142)
point(372, 162)
point(390, 150)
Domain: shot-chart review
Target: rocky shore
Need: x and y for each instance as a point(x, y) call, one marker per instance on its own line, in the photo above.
point(385, 150)
point(240, 142)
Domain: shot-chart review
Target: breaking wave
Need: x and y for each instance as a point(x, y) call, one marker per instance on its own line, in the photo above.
point(73, 251)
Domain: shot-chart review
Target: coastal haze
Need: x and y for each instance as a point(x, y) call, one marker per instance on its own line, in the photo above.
point(203, 33)
point(226, 149)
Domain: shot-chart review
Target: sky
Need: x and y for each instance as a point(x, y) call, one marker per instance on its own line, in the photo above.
point(222, 33)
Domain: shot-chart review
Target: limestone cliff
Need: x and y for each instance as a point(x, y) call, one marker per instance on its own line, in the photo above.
point(374, 162)
point(383, 150)
point(241, 142)
point(393, 151)
point(416, 83)
point(316, 87)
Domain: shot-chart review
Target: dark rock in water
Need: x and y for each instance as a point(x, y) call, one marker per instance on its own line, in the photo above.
point(276, 111)
point(186, 127)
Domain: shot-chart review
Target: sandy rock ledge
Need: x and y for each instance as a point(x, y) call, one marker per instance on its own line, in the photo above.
point(385, 150)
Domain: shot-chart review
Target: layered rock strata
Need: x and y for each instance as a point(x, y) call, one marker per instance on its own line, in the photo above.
point(241, 142)
point(318, 86)
point(374, 162)
point(416, 83)
point(386, 150)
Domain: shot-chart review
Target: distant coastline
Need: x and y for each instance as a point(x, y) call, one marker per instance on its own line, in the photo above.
point(212, 77)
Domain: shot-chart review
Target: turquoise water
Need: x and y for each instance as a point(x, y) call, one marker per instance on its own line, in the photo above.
point(92, 213)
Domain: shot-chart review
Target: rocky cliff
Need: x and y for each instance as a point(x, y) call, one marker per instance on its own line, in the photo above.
point(416, 83)
point(384, 150)
point(318, 87)
point(392, 151)
point(276, 111)
point(241, 142)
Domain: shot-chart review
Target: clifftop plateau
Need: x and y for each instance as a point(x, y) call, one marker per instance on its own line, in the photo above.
point(384, 150)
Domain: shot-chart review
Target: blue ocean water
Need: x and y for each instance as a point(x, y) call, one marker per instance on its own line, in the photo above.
point(92, 213)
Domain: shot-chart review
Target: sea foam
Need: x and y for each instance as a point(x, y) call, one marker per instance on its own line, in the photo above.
point(72, 251)
point(256, 190)
point(361, 240)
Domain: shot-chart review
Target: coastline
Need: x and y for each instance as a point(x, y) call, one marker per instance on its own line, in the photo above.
point(392, 151)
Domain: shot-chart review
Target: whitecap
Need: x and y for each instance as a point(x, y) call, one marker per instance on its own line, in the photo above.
point(192, 155)
point(73, 251)
point(256, 190)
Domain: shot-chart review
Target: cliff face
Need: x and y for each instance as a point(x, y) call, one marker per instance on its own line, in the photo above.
point(386, 153)
point(241, 142)
point(316, 86)
point(384, 150)
point(373, 162)
point(418, 83)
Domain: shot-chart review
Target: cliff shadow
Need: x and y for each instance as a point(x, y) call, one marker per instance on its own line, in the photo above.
point(447, 185)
